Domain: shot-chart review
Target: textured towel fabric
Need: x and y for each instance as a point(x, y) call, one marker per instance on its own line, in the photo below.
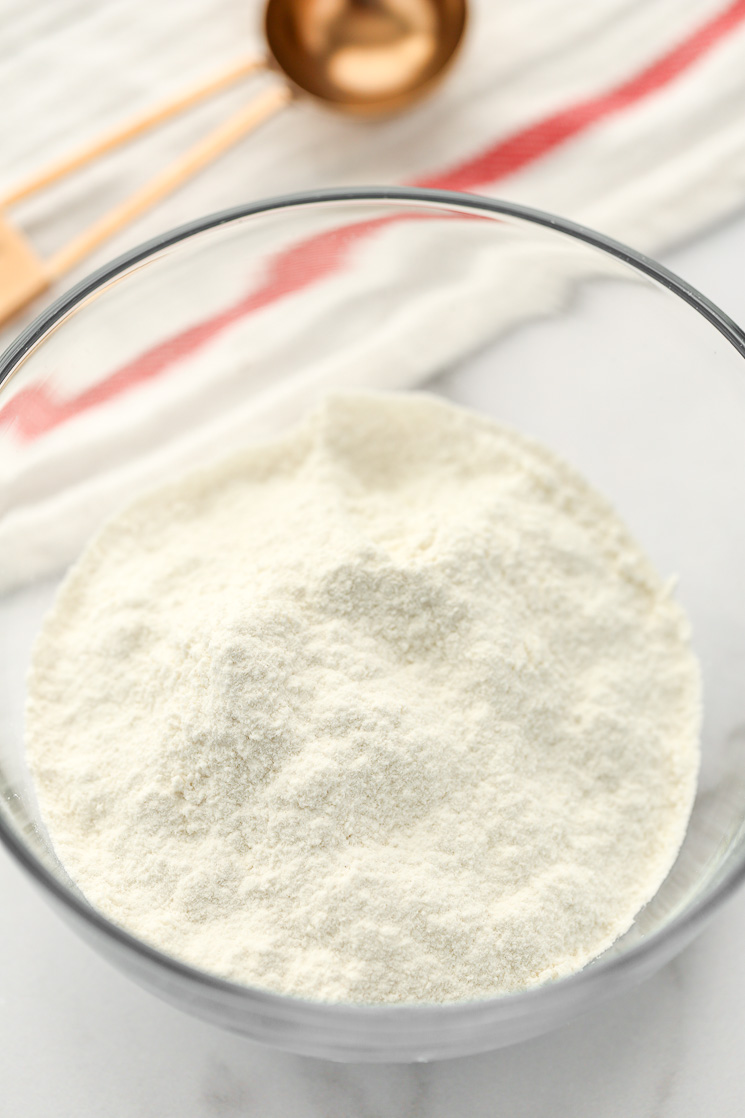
point(626, 115)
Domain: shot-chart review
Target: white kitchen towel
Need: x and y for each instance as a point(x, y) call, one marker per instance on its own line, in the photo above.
point(626, 115)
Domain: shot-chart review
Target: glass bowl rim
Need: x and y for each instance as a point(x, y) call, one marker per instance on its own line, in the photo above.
point(681, 927)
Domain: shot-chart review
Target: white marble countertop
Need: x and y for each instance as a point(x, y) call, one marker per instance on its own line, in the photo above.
point(77, 1039)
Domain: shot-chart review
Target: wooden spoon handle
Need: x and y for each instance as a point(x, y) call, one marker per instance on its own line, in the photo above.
point(133, 127)
point(266, 104)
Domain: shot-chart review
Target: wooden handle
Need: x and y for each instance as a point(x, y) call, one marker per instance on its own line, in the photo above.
point(208, 149)
point(133, 127)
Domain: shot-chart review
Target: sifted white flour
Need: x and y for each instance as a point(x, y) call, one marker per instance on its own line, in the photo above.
point(390, 710)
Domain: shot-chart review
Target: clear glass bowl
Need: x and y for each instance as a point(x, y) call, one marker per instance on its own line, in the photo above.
point(232, 327)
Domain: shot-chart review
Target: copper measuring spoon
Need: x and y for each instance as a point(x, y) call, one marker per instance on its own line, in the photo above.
point(366, 58)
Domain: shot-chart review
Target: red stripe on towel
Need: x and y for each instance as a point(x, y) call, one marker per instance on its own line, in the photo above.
point(34, 410)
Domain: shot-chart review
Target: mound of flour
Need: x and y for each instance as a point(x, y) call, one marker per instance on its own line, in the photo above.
point(390, 710)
